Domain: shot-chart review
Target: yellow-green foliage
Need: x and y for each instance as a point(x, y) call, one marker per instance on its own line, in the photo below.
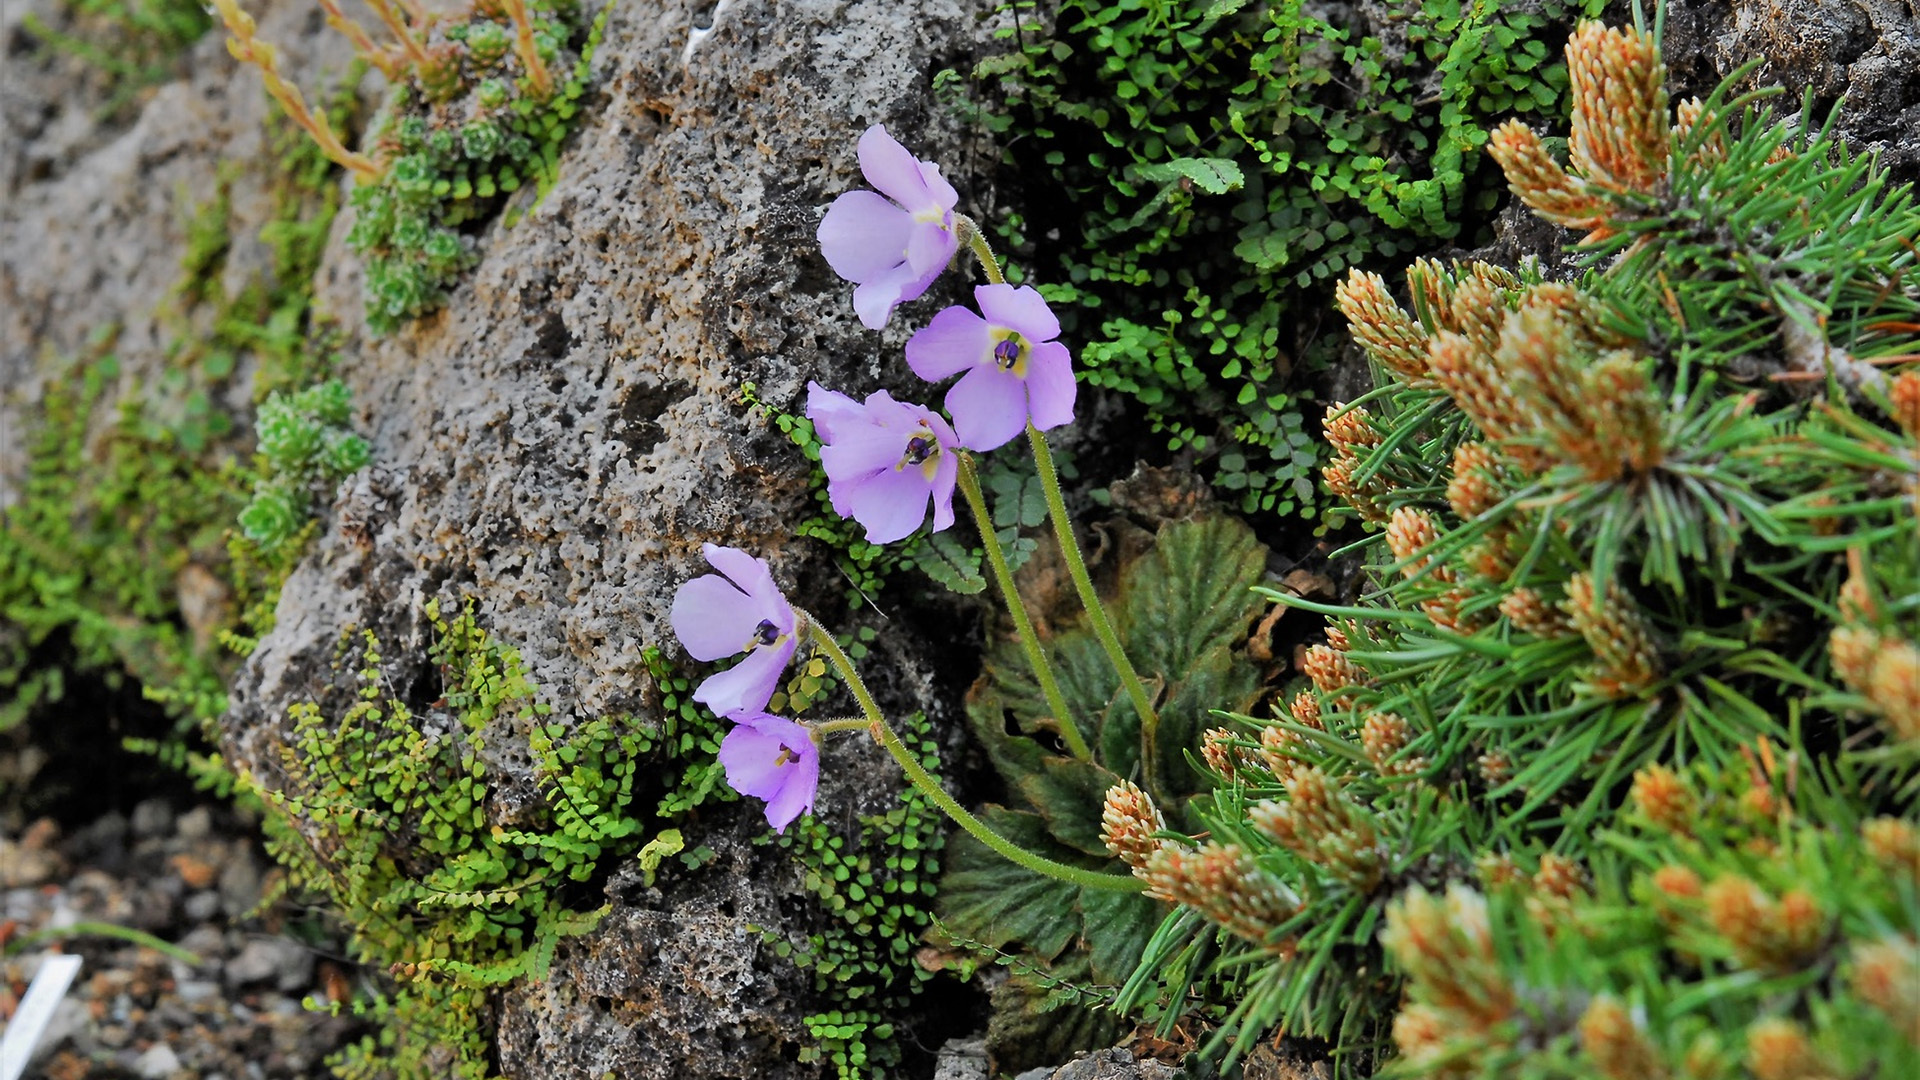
point(383, 812)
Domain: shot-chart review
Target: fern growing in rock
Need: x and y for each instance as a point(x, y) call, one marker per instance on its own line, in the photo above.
point(383, 811)
point(1613, 773)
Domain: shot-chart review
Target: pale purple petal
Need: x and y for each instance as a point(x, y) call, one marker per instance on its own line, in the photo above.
point(876, 298)
point(748, 684)
point(796, 795)
point(755, 579)
point(1050, 385)
point(748, 754)
point(828, 409)
point(772, 758)
point(1020, 309)
point(893, 170)
point(989, 407)
point(946, 474)
point(891, 504)
point(713, 618)
point(864, 236)
point(954, 341)
point(943, 194)
point(930, 248)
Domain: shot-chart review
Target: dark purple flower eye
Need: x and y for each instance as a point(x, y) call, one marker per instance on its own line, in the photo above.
point(1012, 371)
point(735, 611)
point(867, 449)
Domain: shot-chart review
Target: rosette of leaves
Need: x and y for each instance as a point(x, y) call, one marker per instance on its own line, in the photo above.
point(304, 445)
point(1614, 773)
point(1182, 611)
point(458, 137)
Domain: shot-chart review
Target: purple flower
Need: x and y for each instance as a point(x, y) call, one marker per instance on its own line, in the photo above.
point(891, 250)
point(1015, 371)
point(884, 460)
point(743, 612)
point(770, 757)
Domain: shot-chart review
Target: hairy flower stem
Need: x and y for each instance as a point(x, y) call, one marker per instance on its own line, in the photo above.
point(1022, 624)
point(976, 241)
point(1077, 569)
point(922, 779)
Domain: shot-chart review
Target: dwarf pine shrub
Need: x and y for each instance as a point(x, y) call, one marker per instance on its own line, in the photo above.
point(1612, 772)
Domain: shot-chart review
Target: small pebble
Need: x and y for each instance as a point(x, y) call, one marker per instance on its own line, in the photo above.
point(152, 818)
point(195, 824)
point(202, 906)
point(158, 1063)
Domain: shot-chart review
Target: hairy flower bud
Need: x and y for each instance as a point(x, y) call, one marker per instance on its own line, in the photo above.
point(1445, 945)
point(1382, 737)
point(1410, 532)
point(1904, 396)
point(1537, 180)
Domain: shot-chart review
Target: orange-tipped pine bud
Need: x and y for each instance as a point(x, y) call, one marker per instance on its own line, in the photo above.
point(1894, 687)
point(1852, 650)
point(1469, 376)
point(1350, 431)
point(1678, 882)
point(1495, 766)
point(1127, 824)
point(1410, 532)
point(1620, 124)
point(1894, 844)
point(1320, 824)
point(1331, 671)
point(1689, 118)
point(1904, 396)
point(1531, 613)
point(1765, 934)
point(1421, 1032)
point(1538, 181)
point(1224, 884)
point(1382, 737)
point(1446, 948)
point(1886, 975)
point(1778, 1049)
point(1625, 660)
point(1560, 876)
point(1475, 486)
point(1664, 799)
point(1218, 749)
point(1382, 327)
point(1611, 1039)
point(1498, 871)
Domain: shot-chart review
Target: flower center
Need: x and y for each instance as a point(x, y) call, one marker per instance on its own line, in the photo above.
point(1007, 352)
point(919, 448)
point(766, 633)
